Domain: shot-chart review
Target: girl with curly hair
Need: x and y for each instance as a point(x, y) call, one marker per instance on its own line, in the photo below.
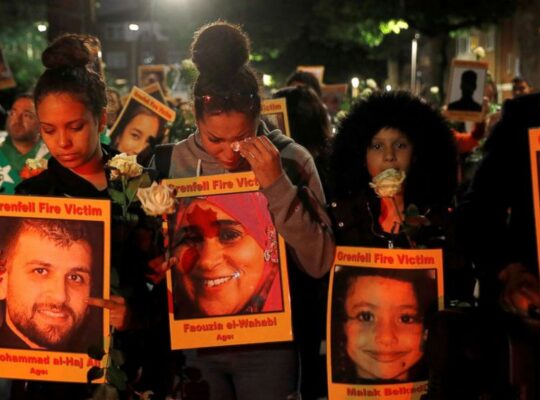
point(396, 130)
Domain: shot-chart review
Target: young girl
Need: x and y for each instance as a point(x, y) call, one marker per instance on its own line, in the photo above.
point(231, 138)
point(395, 130)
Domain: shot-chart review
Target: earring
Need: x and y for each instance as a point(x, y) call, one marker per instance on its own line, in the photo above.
point(271, 248)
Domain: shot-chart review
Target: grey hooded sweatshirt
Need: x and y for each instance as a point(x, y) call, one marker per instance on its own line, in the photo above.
point(295, 200)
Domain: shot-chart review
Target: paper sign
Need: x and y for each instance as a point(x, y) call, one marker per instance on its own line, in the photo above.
point(274, 112)
point(54, 254)
point(229, 284)
point(378, 302)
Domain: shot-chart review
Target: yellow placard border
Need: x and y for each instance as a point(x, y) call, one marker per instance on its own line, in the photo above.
point(277, 106)
point(47, 365)
point(534, 148)
point(429, 259)
point(236, 329)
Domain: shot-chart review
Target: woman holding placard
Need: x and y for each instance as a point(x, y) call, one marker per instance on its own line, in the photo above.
point(232, 138)
point(71, 101)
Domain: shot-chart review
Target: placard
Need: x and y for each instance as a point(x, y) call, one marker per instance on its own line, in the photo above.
point(150, 74)
point(54, 255)
point(534, 148)
point(229, 283)
point(316, 70)
point(274, 112)
point(379, 301)
point(333, 96)
point(156, 92)
point(142, 120)
point(465, 94)
point(6, 76)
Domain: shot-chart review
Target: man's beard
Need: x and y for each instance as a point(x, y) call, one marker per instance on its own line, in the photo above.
point(20, 132)
point(50, 336)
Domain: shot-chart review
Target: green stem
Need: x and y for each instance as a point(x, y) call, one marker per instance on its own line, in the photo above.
point(124, 203)
point(402, 221)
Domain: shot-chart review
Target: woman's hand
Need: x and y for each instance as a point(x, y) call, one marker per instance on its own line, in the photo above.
point(263, 157)
point(158, 268)
point(119, 314)
point(521, 292)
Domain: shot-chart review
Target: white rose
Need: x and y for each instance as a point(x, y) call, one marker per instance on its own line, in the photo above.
point(34, 164)
point(158, 199)
point(388, 183)
point(370, 83)
point(124, 165)
point(479, 52)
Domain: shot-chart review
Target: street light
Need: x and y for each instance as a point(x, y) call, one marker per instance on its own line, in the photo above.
point(133, 27)
point(414, 55)
point(355, 82)
point(41, 27)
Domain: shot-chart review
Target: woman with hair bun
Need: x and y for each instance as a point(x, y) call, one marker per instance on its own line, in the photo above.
point(231, 138)
point(71, 101)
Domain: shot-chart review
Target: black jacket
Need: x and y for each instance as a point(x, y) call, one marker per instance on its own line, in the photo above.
point(496, 216)
point(356, 223)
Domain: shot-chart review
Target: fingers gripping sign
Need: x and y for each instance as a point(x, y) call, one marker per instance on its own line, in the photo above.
point(263, 157)
point(118, 310)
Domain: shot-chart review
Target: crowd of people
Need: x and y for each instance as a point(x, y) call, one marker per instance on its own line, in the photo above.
point(314, 192)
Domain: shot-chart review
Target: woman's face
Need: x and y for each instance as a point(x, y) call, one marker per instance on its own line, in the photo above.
point(384, 331)
point(219, 131)
point(389, 148)
point(69, 130)
point(219, 264)
point(134, 137)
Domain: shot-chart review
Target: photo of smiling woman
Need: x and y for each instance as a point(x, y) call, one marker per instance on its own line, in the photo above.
point(227, 257)
point(379, 324)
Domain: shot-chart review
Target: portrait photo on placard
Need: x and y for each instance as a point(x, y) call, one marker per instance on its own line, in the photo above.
point(138, 128)
point(378, 329)
point(149, 74)
point(275, 116)
point(227, 257)
point(333, 96)
point(48, 270)
point(466, 87)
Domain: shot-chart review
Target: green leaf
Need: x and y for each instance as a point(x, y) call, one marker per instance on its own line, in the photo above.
point(145, 180)
point(412, 211)
point(96, 352)
point(117, 196)
point(117, 357)
point(94, 373)
point(132, 187)
point(116, 377)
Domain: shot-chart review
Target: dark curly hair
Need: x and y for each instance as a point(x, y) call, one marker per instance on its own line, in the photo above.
point(432, 177)
point(220, 51)
point(71, 69)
